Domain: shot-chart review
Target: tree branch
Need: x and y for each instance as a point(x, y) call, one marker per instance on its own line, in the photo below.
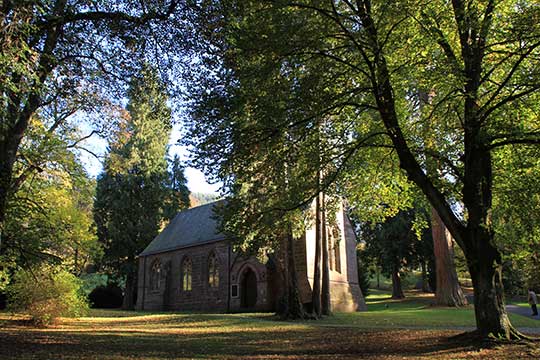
point(96, 16)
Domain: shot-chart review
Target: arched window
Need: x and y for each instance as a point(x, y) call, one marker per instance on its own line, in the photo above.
point(213, 271)
point(331, 246)
point(155, 275)
point(186, 274)
point(337, 253)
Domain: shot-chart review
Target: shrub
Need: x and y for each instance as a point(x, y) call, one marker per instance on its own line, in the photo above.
point(109, 296)
point(46, 293)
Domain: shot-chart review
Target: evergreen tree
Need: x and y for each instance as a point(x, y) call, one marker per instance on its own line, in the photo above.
point(394, 244)
point(178, 194)
point(135, 192)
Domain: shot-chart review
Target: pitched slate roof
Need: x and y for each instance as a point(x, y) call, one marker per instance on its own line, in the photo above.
point(189, 227)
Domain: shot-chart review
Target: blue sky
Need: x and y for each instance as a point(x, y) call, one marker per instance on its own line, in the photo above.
point(196, 179)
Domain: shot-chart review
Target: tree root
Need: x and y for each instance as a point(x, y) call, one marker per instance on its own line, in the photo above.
point(478, 338)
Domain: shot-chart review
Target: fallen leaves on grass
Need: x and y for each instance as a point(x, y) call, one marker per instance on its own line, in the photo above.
point(184, 336)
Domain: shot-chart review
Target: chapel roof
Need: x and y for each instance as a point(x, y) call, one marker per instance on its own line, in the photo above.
point(195, 226)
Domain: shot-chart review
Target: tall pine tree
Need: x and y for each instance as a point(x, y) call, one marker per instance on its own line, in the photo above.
point(135, 191)
point(178, 194)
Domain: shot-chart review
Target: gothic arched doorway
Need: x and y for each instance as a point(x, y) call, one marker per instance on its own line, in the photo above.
point(248, 289)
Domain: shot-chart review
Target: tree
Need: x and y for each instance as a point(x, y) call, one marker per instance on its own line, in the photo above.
point(49, 218)
point(325, 285)
point(475, 235)
point(135, 193)
point(368, 58)
point(262, 178)
point(515, 214)
point(427, 260)
point(178, 197)
point(394, 244)
point(316, 295)
point(448, 290)
point(70, 53)
point(260, 161)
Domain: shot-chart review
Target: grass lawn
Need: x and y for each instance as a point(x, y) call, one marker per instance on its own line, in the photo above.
point(405, 329)
point(416, 311)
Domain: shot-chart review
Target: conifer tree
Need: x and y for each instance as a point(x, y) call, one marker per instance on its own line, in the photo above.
point(135, 193)
point(178, 194)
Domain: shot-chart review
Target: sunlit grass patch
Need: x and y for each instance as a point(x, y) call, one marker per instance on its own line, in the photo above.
point(416, 310)
point(107, 334)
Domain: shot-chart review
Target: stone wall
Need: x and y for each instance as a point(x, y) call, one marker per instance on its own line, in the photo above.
point(345, 292)
point(265, 297)
point(227, 296)
point(201, 297)
point(173, 297)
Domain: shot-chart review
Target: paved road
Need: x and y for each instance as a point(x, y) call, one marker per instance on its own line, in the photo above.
point(521, 310)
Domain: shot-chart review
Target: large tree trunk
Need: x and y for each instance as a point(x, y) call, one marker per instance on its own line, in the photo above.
point(485, 267)
point(295, 309)
point(325, 292)
point(448, 291)
point(397, 290)
point(483, 256)
point(476, 238)
point(129, 292)
point(316, 294)
point(8, 153)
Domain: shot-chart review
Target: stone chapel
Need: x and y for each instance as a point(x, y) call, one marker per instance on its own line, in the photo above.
point(190, 265)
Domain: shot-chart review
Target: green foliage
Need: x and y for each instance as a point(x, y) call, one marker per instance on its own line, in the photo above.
point(401, 244)
point(49, 217)
point(46, 293)
point(128, 213)
point(516, 211)
point(91, 281)
point(136, 195)
point(442, 85)
point(7, 265)
point(363, 272)
point(393, 243)
point(515, 283)
point(178, 192)
point(61, 58)
point(140, 141)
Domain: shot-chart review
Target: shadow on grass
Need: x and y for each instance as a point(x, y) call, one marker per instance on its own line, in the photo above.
point(245, 339)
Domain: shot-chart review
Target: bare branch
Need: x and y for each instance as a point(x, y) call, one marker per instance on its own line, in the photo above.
point(92, 133)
